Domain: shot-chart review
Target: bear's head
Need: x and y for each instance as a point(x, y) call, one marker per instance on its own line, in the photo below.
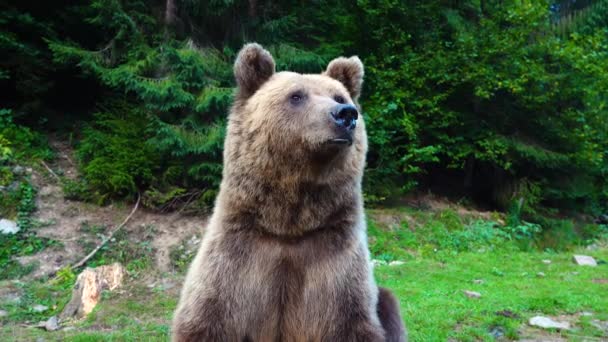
point(287, 126)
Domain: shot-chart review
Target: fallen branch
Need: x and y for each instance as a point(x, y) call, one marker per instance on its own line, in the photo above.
point(50, 170)
point(107, 238)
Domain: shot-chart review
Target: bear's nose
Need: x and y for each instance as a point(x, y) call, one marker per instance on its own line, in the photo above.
point(345, 116)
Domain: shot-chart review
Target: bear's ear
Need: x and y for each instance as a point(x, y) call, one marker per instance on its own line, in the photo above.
point(349, 71)
point(254, 66)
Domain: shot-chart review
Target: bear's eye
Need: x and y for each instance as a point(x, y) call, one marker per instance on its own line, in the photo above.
point(339, 99)
point(296, 97)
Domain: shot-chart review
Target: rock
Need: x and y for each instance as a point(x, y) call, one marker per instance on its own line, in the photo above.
point(540, 274)
point(586, 313)
point(584, 260)
point(497, 332)
point(478, 281)
point(546, 261)
point(13, 186)
point(472, 294)
point(376, 262)
point(3, 313)
point(396, 263)
point(548, 323)
point(18, 170)
point(51, 324)
point(40, 308)
point(88, 287)
point(166, 284)
point(8, 227)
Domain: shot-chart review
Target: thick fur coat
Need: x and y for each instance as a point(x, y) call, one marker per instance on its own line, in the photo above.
point(285, 256)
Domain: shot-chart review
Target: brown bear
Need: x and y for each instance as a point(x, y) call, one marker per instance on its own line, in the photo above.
point(285, 256)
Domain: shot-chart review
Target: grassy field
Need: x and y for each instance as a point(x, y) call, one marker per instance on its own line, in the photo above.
point(443, 253)
point(436, 308)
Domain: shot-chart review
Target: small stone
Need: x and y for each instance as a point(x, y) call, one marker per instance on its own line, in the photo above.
point(478, 281)
point(584, 260)
point(376, 262)
point(167, 284)
point(396, 263)
point(13, 186)
point(546, 261)
point(548, 323)
point(472, 294)
point(51, 324)
point(40, 308)
point(29, 170)
point(18, 170)
point(3, 313)
point(497, 332)
point(540, 274)
point(586, 313)
point(8, 227)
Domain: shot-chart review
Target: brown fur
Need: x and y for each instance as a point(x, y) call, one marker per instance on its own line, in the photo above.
point(285, 256)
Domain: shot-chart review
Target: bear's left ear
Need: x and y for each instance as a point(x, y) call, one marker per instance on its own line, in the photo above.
point(349, 71)
point(254, 66)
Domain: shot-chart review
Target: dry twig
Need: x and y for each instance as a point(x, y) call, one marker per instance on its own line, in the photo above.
point(107, 238)
point(50, 170)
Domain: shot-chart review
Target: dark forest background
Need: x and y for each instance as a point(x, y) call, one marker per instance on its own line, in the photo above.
point(498, 102)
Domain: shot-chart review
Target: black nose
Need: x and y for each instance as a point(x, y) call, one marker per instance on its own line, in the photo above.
point(345, 116)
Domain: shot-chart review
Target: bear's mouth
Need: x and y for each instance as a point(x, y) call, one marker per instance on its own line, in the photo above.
point(341, 141)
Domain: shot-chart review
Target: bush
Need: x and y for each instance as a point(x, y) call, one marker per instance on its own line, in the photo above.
point(116, 160)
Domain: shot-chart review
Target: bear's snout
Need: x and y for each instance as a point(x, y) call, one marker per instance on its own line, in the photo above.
point(345, 118)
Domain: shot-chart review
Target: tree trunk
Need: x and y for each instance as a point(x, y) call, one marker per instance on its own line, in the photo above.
point(170, 12)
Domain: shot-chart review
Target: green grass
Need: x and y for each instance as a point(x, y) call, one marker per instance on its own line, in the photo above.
point(435, 307)
point(135, 314)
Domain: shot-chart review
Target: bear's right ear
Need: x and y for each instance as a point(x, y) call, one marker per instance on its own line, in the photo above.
point(254, 66)
point(349, 71)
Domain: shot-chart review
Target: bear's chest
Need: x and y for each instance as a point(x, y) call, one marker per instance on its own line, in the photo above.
point(282, 287)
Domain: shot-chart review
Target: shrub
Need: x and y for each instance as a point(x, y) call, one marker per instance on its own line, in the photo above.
point(115, 157)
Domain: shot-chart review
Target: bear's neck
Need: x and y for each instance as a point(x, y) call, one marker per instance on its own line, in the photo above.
point(288, 206)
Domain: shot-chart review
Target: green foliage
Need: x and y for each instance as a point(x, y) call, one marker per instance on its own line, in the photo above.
point(25, 241)
point(450, 93)
point(20, 143)
point(445, 234)
point(181, 257)
point(494, 100)
point(116, 159)
point(6, 175)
